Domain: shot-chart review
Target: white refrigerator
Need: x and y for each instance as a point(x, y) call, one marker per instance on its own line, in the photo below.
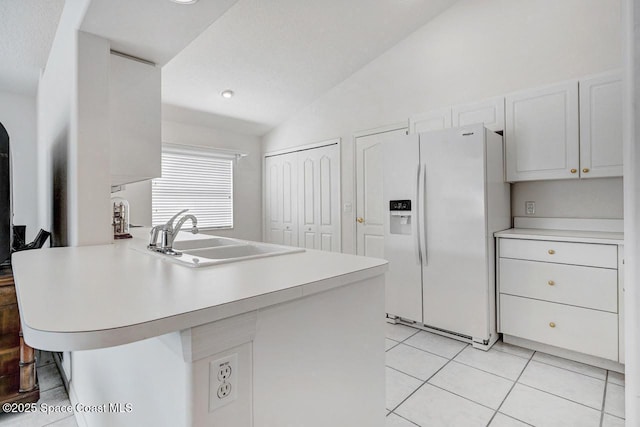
point(445, 196)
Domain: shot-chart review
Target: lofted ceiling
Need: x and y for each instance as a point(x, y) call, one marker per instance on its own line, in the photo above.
point(27, 31)
point(280, 55)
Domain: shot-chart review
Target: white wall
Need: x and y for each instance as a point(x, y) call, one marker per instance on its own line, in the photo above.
point(474, 50)
point(247, 180)
point(631, 14)
point(18, 115)
point(571, 198)
point(54, 104)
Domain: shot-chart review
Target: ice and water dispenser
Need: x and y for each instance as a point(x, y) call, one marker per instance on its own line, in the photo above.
point(400, 216)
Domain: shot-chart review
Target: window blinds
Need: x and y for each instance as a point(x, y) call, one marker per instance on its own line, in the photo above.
point(197, 180)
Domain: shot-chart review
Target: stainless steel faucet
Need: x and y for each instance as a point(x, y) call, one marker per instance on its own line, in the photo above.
point(168, 233)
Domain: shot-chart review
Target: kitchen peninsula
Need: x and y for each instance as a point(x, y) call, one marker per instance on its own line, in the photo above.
point(286, 340)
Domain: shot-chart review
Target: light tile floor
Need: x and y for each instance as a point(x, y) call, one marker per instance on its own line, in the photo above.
point(52, 393)
point(434, 381)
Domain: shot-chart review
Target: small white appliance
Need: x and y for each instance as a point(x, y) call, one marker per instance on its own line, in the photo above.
point(446, 196)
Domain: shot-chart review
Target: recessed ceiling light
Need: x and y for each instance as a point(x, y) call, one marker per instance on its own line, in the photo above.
point(184, 1)
point(227, 94)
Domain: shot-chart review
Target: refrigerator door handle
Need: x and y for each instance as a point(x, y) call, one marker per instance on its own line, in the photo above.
point(416, 242)
point(422, 213)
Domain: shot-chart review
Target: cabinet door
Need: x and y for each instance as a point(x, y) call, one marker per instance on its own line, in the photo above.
point(134, 108)
point(489, 112)
point(432, 120)
point(319, 198)
point(281, 206)
point(542, 133)
point(601, 126)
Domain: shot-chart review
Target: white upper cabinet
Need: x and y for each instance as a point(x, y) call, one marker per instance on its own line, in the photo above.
point(135, 120)
point(601, 126)
point(542, 135)
point(490, 112)
point(432, 120)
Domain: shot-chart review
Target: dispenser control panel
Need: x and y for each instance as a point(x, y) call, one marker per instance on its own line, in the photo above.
point(399, 205)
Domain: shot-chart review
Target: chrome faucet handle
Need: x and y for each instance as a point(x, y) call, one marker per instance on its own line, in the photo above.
point(153, 236)
point(169, 224)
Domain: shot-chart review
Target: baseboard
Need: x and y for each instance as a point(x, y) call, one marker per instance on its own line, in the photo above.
point(564, 353)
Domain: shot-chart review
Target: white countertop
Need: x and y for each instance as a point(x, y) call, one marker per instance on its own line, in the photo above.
point(603, 237)
point(82, 298)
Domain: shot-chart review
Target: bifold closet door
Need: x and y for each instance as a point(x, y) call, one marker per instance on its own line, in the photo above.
point(281, 205)
point(319, 198)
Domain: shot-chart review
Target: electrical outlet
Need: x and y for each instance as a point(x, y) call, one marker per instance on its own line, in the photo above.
point(223, 381)
point(530, 208)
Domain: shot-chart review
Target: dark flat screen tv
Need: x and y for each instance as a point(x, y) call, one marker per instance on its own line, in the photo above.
point(5, 196)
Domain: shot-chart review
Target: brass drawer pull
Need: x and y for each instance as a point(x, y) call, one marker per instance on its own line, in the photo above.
point(551, 282)
point(574, 170)
point(585, 170)
point(551, 251)
point(553, 325)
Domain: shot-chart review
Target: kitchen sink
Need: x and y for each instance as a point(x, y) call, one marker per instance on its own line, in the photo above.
point(214, 242)
point(220, 250)
point(237, 251)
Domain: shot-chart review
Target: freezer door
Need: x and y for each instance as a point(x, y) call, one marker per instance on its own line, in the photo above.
point(401, 248)
point(453, 233)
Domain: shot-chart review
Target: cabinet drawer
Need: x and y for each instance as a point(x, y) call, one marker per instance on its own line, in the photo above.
point(580, 329)
point(590, 254)
point(588, 287)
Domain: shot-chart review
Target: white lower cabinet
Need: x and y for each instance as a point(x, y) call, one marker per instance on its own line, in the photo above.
point(579, 329)
point(562, 294)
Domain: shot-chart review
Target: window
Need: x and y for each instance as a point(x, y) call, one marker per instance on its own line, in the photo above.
point(197, 179)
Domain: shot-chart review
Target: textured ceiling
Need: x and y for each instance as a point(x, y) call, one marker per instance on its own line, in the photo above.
point(26, 33)
point(280, 55)
point(155, 30)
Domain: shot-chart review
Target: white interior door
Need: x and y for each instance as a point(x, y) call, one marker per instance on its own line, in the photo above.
point(281, 207)
point(319, 198)
point(369, 201)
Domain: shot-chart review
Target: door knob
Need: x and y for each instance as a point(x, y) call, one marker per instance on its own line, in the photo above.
point(360, 220)
point(552, 324)
point(551, 282)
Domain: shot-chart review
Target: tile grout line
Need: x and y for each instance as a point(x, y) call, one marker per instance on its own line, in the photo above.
point(427, 380)
point(604, 397)
point(486, 372)
point(571, 370)
point(406, 419)
point(436, 354)
point(403, 372)
point(61, 419)
point(510, 390)
point(557, 395)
